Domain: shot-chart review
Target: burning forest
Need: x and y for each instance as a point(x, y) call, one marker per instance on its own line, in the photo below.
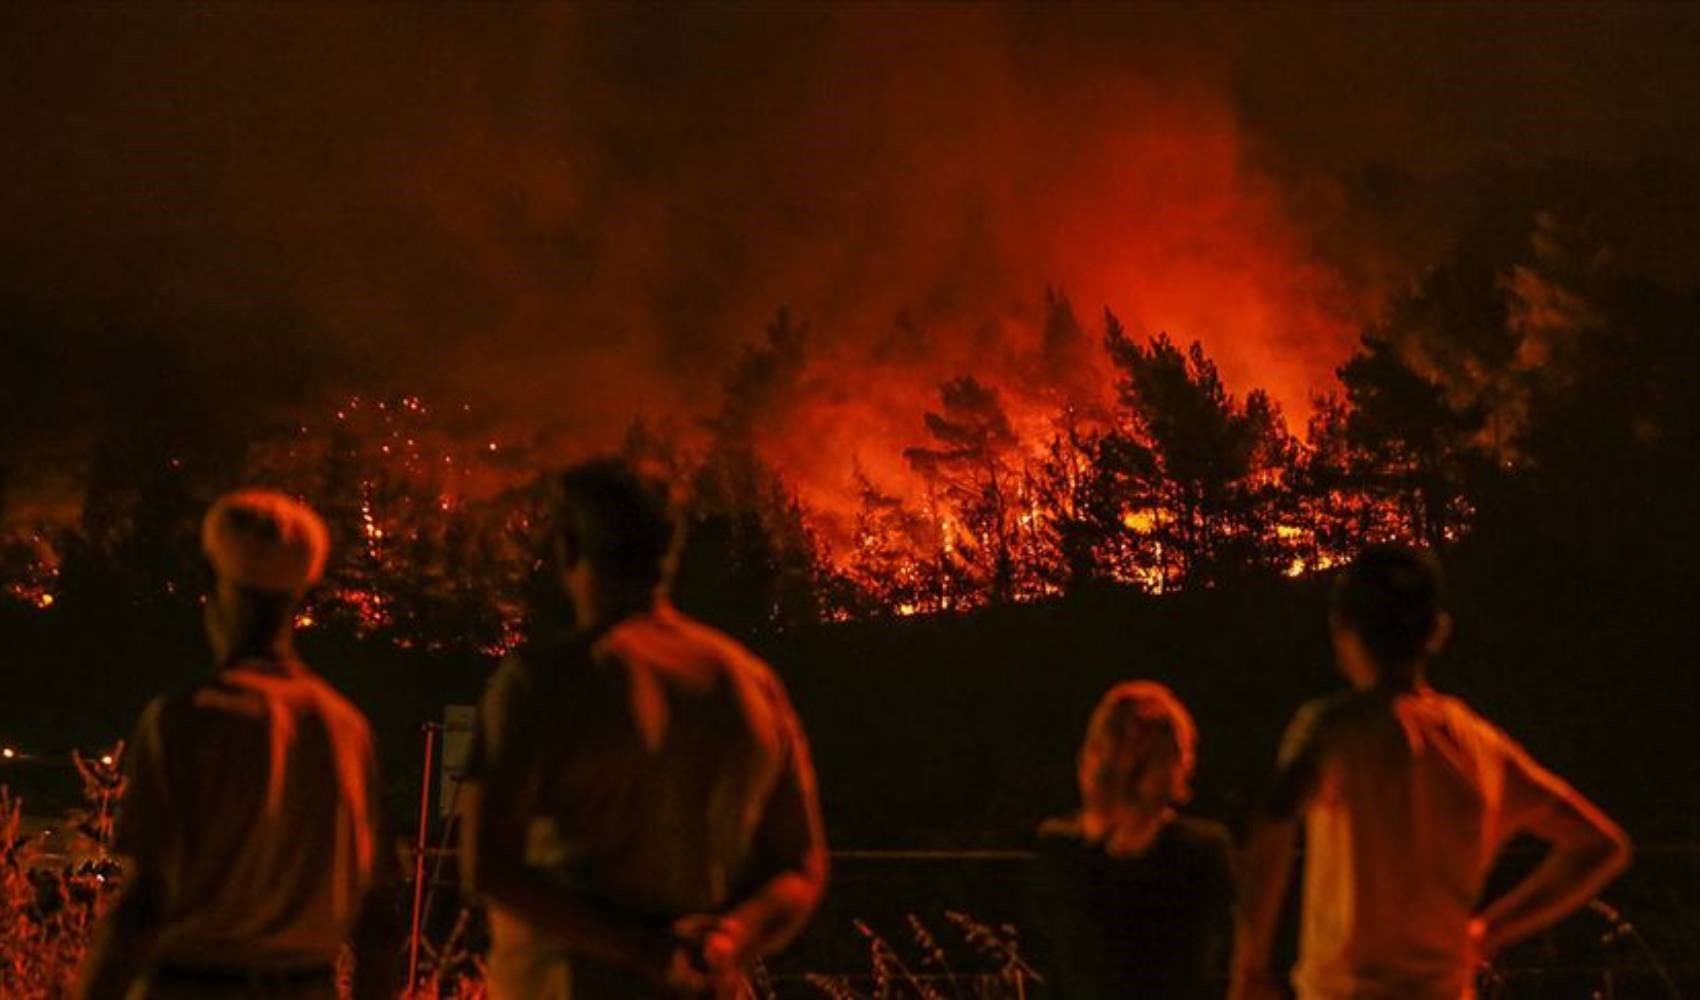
point(1097, 458)
point(996, 357)
point(1006, 307)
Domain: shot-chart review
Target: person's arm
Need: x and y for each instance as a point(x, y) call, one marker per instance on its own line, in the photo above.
point(1224, 896)
point(1048, 901)
point(1265, 866)
point(377, 930)
point(497, 806)
point(124, 939)
point(1588, 850)
point(1265, 863)
point(790, 858)
point(373, 940)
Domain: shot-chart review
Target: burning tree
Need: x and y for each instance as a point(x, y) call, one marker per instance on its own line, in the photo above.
point(1081, 508)
point(427, 551)
point(1203, 476)
point(973, 488)
point(1405, 445)
point(749, 559)
point(888, 571)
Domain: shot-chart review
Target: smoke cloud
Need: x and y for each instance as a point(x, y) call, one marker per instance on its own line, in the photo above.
point(220, 217)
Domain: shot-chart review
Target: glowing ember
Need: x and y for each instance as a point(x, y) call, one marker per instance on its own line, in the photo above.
point(31, 560)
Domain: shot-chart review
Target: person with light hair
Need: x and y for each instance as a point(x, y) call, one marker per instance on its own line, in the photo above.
point(248, 822)
point(1131, 898)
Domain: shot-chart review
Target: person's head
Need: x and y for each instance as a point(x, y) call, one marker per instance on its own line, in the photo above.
point(615, 534)
point(1138, 756)
point(265, 549)
point(1387, 615)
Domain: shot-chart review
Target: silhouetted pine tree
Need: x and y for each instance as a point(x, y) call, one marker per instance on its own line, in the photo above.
point(975, 485)
point(750, 562)
point(1410, 447)
point(1202, 474)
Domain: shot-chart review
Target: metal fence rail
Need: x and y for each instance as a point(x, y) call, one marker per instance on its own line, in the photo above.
point(882, 890)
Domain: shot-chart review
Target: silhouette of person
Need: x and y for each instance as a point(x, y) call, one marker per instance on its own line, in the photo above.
point(249, 816)
point(640, 810)
point(1131, 899)
point(1407, 796)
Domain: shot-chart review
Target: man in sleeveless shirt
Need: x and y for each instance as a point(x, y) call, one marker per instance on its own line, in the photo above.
point(248, 821)
point(640, 812)
point(1407, 797)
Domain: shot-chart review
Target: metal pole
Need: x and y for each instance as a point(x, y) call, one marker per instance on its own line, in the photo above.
point(419, 848)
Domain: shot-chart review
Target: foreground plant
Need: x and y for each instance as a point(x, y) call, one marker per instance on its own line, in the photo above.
point(49, 904)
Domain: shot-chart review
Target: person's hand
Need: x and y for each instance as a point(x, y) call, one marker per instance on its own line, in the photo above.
point(683, 975)
point(719, 941)
point(673, 966)
point(1485, 944)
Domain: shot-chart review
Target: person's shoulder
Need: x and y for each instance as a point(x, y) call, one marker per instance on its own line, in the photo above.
point(547, 651)
point(1343, 710)
point(1061, 839)
point(723, 650)
point(1463, 718)
point(1345, 707)
point(157, 716)
point(1202, 843)
point(1315, 719)
point(1204, 834)
point(344, 717)
point(1323, 726)
point(1458, 708)
point(554, 658)
point(1061, 829)
point(217, 699)
point(704, 635)
point(213, 708)
point(1204, 849)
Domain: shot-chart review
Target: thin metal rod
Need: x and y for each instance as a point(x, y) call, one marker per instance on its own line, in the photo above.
point(419, 849)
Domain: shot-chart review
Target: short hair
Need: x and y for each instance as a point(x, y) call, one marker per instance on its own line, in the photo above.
point(620, 520)
point(1137, 724)
point(1391, 597)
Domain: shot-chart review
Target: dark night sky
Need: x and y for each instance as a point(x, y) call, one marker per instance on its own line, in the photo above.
point(230, 213)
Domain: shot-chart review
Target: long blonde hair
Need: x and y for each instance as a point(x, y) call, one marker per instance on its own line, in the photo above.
point(1137, 726)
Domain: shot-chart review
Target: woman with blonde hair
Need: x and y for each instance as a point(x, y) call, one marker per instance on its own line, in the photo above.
point(1132, 898)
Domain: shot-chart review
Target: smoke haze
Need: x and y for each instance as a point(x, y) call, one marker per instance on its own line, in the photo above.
point(222, 217)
